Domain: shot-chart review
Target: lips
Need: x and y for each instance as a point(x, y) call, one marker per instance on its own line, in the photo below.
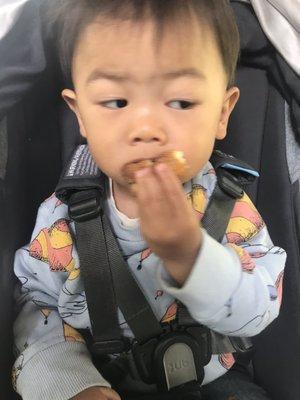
point(174, 159)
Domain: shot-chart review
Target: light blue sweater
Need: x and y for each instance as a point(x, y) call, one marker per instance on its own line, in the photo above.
point(234, 288)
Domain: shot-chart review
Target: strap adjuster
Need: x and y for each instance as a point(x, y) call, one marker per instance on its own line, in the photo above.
point(109, 347)
point(241, 344)
point(85, 205)
point(230, 184)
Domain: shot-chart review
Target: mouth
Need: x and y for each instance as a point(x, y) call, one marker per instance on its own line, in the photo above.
point(151, 159)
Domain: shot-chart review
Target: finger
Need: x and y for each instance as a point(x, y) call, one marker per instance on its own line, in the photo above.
point(149, 192)
point(152, 203)
point(175, 196)
point(171, 186)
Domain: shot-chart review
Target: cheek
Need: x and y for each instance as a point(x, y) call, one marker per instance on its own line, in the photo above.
point(99, 144)
point(92, 124)
point(198, 150)
point(97, 133)
point(101, 159)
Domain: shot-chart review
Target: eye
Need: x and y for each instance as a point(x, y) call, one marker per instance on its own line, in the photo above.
point(115, 104)
point(181, 104)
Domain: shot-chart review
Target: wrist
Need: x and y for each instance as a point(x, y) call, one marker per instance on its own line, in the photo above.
point(180, 266)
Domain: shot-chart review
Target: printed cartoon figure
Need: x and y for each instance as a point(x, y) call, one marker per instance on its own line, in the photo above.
point(54, 246)
point(16, 371)
point(245, 222)
point(226, 360)
point(75, 303)
point(198, 199)
point(170, 314)
point(159, 293)
point(71, 335)
point(57, 203)
point(247, 262)
point(144, 254)
point(279, 286)
point(46, 314)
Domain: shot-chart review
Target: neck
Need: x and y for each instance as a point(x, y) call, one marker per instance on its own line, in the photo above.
point(125, 200)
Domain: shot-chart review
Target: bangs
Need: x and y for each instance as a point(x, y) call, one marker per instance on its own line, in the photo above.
point(69, 18)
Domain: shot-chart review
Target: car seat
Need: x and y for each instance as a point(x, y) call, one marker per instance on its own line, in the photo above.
point(38, 133)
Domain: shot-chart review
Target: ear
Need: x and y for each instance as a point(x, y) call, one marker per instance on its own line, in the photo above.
point(71, 99)
point(231, 97)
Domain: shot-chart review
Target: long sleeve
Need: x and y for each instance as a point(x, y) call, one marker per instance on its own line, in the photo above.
point(235, 287)
point(52, 358)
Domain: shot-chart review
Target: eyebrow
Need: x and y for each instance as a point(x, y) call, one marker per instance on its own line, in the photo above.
point(186, 72)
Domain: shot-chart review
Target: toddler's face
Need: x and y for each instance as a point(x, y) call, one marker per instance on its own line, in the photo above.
point(135, 99)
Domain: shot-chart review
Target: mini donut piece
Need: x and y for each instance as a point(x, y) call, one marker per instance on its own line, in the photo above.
point(173, 158)
point(176, 161)
point(130, 169)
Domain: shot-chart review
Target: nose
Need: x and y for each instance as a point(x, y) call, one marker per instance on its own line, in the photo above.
point(147, 135)
point(147, 124)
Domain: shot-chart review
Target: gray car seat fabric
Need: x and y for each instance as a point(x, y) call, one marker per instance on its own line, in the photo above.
point(38, 132)
point(3, 147)
point(292, 148)
point(280, 20)
point(259, 53)
point(264, 145)
point(30, 153)
point(277, 349)
point(25, 61)
point(9, 12)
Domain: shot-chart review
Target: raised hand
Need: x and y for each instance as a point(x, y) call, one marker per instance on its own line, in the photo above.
point(168, 222)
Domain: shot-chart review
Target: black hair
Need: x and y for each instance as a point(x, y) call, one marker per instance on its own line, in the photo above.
point(70, 18)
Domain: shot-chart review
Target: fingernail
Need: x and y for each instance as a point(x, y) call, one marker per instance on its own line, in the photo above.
point(160, 167)
point(142, 172)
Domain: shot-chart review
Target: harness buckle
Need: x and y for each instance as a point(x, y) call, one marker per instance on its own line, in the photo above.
point(85, 205)
point(174, 359)
point(230, 184)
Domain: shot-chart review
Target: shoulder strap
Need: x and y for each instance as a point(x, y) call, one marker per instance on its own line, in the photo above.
point(106, 276)
point(233, 176)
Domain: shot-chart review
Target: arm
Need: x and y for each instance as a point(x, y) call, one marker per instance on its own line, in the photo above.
point(52, 357)
point(233, 289)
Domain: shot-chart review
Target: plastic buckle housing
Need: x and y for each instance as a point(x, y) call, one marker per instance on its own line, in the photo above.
point(230, 184)
point(85, 205)
point(173, 359)
point(143, 358)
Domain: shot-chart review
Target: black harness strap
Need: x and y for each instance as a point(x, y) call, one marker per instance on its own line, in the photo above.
point(81, 187)
point(229, 188)
point(221, 204)
point(90, 241)
point(108, 281)
point(132, 302)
